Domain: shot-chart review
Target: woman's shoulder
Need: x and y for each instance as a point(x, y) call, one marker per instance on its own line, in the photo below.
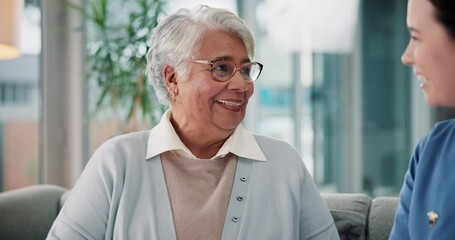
point(127, 139)
point(274, 148)
point(442, 130)
point(444, 126)
point(270, 143)
point(123, 145)
point(283, 160)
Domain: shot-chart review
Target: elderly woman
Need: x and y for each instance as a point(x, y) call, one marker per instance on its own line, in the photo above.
point(426, 209)
point(198, 174)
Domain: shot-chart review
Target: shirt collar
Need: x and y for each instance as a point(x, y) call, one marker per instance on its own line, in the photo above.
point(163, 138)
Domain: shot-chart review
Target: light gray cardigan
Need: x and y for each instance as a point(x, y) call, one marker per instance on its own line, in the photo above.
point(122, 195)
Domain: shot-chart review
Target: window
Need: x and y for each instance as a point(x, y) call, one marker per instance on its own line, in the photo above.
point(334, 87)
point(19, 107)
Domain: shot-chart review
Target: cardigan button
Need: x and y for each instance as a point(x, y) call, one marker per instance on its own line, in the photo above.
point(243, 179)
point(239, 198)
point(235, 219)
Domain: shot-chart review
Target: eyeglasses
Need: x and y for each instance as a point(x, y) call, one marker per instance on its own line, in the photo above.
point(223, 70)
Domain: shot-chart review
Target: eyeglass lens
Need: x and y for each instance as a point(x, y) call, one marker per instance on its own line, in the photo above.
point(224, 70)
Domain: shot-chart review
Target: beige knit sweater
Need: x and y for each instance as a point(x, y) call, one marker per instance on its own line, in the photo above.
point(199, 191)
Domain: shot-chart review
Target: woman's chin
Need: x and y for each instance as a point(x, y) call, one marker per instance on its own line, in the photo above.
point(433, 102)
point(228, 125)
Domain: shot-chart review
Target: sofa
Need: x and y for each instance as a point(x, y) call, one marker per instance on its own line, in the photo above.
point(28, 213)
point(357, 216)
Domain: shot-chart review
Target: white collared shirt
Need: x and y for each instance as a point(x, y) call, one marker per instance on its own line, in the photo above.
point(241, 143)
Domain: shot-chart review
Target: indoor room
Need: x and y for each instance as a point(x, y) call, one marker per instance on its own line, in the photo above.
point(332, 86)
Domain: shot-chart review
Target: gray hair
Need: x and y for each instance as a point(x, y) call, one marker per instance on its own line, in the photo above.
point(177, 38)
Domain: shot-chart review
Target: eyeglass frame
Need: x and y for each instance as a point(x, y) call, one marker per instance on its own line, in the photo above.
point(236, 68)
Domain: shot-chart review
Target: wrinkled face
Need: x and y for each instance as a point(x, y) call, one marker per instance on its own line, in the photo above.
point(206, 103)
point(432, 54)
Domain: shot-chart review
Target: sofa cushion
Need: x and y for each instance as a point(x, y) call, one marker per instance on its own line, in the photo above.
point(381, 217)
point(28, 213)
point(350, 225)
point(350, 213)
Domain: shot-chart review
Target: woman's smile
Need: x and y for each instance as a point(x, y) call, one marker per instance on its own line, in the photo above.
point(232, 105)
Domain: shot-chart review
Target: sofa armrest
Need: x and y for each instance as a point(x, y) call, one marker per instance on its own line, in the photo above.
point(28, 213)
point(381, 217)
point(63, 198)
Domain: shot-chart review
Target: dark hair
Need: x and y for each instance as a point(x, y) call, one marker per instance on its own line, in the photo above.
point(445, 14)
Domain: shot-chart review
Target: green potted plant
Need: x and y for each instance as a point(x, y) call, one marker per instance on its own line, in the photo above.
point(117, 44)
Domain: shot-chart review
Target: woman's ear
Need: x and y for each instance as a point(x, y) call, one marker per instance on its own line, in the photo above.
point(170, 77)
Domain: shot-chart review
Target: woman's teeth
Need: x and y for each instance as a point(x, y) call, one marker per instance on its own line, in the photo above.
point(232, 104)
point(422, 79)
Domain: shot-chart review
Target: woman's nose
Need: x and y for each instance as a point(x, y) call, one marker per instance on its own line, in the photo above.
point(238, 82)
point(407, 56)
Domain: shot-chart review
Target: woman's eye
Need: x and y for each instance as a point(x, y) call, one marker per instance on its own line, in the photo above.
point(414, 37)
point(246, 70)
point(221, 68)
